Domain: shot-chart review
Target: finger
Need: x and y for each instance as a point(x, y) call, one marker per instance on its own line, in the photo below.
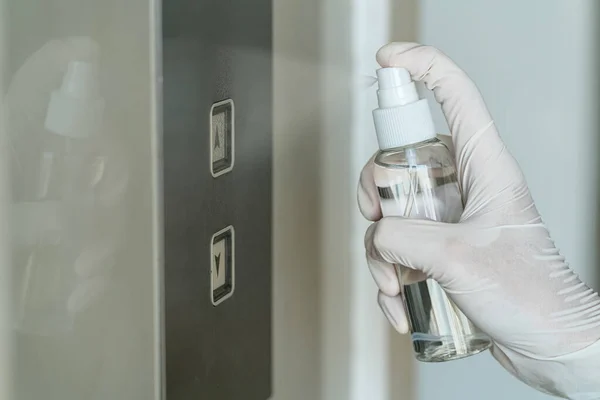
point(458, 95)
point(393, 309)
point(503, 359)
point(410, 276)
point(476, 140)
point(389, 277)
point(112, 184)
point(368, 198)
point(418, 244)
point(384, 275)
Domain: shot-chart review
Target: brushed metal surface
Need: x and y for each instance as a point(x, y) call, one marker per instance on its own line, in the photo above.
point(212, 51)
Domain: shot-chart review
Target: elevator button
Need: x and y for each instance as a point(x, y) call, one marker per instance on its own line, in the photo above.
point(222, 261)
point(222, 137)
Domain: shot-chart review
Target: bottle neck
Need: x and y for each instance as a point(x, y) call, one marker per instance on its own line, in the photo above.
point(414, 145)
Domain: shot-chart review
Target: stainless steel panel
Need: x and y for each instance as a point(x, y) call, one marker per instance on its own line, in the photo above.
point(213, 51)
point(86, 228)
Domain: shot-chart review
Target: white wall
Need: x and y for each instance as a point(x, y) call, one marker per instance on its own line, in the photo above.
point(362, 357)
point(534, 62)
point(330, 339)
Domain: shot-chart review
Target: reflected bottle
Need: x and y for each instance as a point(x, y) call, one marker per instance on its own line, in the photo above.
point(416, 178)
point(52, 199)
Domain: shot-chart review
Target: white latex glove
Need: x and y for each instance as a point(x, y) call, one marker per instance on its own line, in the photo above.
point(498, 264)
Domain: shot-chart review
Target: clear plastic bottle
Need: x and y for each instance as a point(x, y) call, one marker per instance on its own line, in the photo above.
point(416, 178)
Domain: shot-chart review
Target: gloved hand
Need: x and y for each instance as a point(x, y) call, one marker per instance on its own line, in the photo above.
point(498, 264)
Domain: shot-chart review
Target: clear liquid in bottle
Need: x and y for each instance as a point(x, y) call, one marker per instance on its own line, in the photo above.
point(419, 181)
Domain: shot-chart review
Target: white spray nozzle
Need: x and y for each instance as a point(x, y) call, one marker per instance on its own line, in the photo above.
point(401, 119)
point(396, 87)
point(392, 77)
point(80, 80)
point(76, 108)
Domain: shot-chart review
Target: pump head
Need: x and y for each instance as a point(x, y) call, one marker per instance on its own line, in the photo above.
point(392, 77)
point(76, 108)
point(401, 119)
point(396, 88)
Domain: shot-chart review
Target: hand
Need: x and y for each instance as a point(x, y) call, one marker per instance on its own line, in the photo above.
point(498, 264)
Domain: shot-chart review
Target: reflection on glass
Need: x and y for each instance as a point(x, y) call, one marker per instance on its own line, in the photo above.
point(63, 236)
point(43, 281)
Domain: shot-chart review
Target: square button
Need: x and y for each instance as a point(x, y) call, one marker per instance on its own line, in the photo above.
point(222, 261)
point(222, 137)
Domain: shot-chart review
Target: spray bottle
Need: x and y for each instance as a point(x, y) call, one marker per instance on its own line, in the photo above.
point(416, 178)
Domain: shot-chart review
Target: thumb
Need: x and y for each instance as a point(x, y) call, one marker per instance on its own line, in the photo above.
point(424, 245)
point(465, 110)
point(477, 144)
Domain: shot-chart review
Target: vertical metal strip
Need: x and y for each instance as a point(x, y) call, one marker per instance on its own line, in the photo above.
point(156, 76)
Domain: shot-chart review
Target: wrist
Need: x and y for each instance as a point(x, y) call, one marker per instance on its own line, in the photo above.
point(571, 376)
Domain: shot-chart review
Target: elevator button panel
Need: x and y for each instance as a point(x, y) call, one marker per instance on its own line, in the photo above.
point(217, 146)
point(222, 261)
point(222, 137)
